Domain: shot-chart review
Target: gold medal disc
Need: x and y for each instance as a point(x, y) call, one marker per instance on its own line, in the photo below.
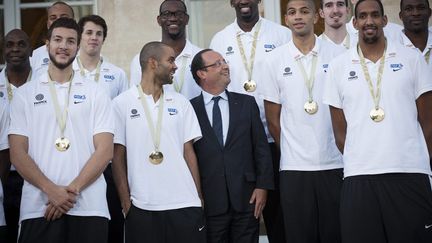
point(156, 157)
point(377, 114)
point(311, 107)
point(249, 86)
point(62, 144)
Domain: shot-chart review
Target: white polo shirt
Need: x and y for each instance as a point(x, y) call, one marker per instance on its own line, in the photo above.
point(39, 59)
point(4, 144)
point(307, 142)
point(190, 88)
point(270, 36)
point(407, 42)
point(391, 30)
point(168, 185)
point(396, 144)
point(348, 42)
point(112, 79)
point(33, 116)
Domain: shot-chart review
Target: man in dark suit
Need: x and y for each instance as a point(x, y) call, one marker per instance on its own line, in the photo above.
point(233, 154)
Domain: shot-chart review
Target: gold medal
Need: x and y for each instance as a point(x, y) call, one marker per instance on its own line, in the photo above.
point(249, 85)
point(377, 114)
point(156, 157)
point(311, 107)
point(62, 144)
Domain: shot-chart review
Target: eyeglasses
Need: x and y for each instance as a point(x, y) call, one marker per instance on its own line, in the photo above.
point(178, 14)
point(216, 64)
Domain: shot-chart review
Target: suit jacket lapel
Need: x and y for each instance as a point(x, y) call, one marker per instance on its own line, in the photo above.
point(234, 110)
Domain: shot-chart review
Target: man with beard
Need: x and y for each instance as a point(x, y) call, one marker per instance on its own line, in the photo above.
point(334, 13)
point(244, 44)
point(17, 51)
point(415, 16)
point(380, 101)
point(61, 139)
point(40, 58)
point(172, 19)
point(155, 168)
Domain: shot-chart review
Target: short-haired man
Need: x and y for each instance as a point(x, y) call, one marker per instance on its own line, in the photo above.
point(61, 139)
point(154, 165)
point(380, 101)
point(172, 19)
point(17, 51)
point(233, 155)
point(311, 165)
point(244, 44)
point(334, 13)
point(59, 9)
point(90, 64)
point(415, 15)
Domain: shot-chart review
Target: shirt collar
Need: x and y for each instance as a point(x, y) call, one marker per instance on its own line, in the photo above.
point(238, 30)
point(187, 50)
point(297, 54)
point(390, 52)
point(407, 42)
point(208, 97)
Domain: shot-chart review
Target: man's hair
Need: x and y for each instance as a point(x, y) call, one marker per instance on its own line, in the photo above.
point(425, 1)
point(67, 23)
point(197, 64)
point(312, 2)
point(181, 1)
point(62, 3)
point(97, 20)
point(322, 3)
point(360, 1)
point(154, 49)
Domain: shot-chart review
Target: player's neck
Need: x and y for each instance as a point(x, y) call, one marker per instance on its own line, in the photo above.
point(60, 75)
point(18, 75)
point(247, 25)
point(177, 44)
point(89, 62)
point(151, 86)
point(419, 39)
point(373, 51)
point(336, 35)
point(305, 44)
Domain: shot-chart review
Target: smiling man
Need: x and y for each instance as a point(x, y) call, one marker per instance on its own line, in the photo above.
point(172, 19)
point(61, 139)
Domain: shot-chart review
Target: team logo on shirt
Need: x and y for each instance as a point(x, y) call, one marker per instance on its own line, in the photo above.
point(229, 50)
point(109, 78)
point(39, 99)
point(1, 94)
point(134, 114)
point(172, 111)
point(79, 99)
point(352, 76)
point(287, 71)
point(269, 47)
point(325, 67)
point(396, 67)
point(45, 60)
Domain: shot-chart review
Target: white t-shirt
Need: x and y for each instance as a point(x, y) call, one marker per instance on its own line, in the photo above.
point(4, 125)
point(112, 79)
point(190, 88)
point(307, 142)
point(168, 185)
point(407, 42)
point(391, 31)
point(39, 59)
point(270, 36)
point(396, 144)
point(33, 116)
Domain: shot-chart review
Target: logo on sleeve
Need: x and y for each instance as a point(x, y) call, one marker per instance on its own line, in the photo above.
point(269, 47)
point(134, 114)
point(172, 111)
point(396, 66)
point(352, 76)
point(229, 51)
point(45, 61)
point(109, 78)
point(79, 99)
point(40, 99)
point(287, 71)
point(1, 94)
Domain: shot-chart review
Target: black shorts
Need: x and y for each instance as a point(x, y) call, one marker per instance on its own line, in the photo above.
point(387, 208)
point(67, 229)
point(310, 205)
point(169, 226)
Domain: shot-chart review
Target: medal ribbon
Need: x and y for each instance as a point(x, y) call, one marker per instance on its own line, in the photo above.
point(179, 85)
point(60, 115)
point(155, 133)
point(9, 85)
point(249, 68)
point(82, 71)
point(309, 81)
point(376, 96)
point(427, 55)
